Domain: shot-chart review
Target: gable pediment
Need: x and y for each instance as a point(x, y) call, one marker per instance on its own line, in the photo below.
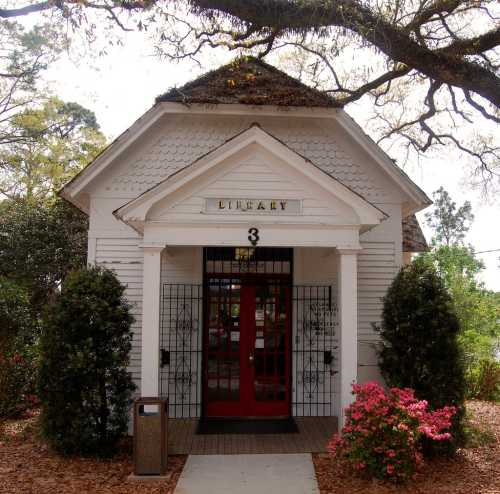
point(255, 169)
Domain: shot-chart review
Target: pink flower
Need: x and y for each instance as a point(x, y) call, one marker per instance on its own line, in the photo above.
point(375, 418)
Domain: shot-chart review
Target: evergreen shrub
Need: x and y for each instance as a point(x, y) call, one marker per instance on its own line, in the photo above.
point(84, 387)
point(420, 348)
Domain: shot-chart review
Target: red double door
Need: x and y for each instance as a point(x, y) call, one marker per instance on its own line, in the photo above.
point(247, 348)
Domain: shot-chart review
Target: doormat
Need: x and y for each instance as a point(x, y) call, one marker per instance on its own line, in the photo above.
point(247, 426)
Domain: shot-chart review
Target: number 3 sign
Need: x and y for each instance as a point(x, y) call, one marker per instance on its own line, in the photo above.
point(253, 236)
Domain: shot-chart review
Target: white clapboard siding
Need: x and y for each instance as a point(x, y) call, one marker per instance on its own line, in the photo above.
point(124, 257)
point(376, 270)
point(260, 181)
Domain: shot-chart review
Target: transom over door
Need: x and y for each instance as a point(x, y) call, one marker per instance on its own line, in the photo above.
point(247, 348)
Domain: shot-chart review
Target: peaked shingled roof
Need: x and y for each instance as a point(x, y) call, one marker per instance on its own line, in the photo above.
point(248, 81)
point(413, 237)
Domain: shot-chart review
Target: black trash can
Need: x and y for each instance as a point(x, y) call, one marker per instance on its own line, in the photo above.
point(150, 436)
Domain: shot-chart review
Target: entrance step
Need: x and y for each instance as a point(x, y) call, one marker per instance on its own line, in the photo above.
point(248, 474)
point(247, 426)
point(313, 436)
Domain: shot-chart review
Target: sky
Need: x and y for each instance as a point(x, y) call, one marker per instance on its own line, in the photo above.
point(120, 86)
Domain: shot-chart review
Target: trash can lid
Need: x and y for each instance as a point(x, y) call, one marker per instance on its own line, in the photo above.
point(152, 399)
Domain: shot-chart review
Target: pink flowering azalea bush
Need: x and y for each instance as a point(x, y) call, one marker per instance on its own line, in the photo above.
point(383, 432)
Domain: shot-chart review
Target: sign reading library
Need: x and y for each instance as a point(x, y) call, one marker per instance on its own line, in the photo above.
point(266, 206)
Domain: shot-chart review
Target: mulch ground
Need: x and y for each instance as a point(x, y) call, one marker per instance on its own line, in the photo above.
point(475, 470)
point(28, 466)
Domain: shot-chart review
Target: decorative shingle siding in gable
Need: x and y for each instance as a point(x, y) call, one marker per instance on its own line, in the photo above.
point(185, 140)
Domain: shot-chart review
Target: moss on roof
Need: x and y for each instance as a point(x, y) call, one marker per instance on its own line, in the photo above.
point(248, 81)
point(413, 237)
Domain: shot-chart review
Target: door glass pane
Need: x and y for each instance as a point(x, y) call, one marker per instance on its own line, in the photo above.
point(213, 314)
point(223, 362)
point(234, 374)
point(270, 344)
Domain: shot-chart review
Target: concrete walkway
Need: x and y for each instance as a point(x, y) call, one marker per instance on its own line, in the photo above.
point(248, 474)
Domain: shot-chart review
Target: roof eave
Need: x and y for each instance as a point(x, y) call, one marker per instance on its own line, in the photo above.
point(76, 185)
point(418, 198)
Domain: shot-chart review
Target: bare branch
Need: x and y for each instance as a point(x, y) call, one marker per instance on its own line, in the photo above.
point(376, 83)
point(440, 64)
point(480, 108)
point(27, 9)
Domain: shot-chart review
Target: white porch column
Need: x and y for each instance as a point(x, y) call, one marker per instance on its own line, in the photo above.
point(348, 321)
point(150, 339)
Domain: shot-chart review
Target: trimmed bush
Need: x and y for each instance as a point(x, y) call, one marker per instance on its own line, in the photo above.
point(84, 386)
point(383, 434)
point(420, 348)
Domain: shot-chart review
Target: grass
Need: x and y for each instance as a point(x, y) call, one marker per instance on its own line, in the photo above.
point(477, 436)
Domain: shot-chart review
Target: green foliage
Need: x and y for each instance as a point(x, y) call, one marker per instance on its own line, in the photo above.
point(24, 55)
point(84, 387)
point(53, 142)
point(17, 350)
point(477, 309)
point(420, 348)
point(15, 314)
point(18, 364)
point(449, 222)
point(477, 437)
point(39, 244)
point(483, 380)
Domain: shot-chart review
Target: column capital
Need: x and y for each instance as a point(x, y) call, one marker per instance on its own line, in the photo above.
point(343, 251)
point(152, 246)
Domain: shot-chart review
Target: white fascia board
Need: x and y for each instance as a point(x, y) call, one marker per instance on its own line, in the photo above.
point(415, 193)
point(257, 110)
point(137, 209)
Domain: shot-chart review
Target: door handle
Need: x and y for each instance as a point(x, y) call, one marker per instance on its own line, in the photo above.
point(250, 359)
